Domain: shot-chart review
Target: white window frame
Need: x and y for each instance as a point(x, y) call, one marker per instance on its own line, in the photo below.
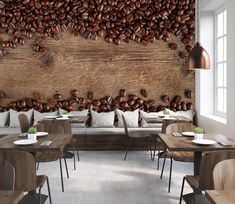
point(216, 87)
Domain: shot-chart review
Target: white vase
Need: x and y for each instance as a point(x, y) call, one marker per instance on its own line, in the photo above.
point(198, 136)
point(65, 116)
point(32, 136)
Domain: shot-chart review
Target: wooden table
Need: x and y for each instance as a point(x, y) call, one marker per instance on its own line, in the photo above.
point(166, 122)
point(182, 143)
point(59, 141)
point(72, 119)
point(221, 197)
point(11, 197)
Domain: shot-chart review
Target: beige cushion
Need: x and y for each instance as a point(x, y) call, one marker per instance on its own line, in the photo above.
point(4, 118)
point(39, 116)
point(151, 116)
point(14, 121)
point(74, 113)
point(131, 117)
point(105, 119)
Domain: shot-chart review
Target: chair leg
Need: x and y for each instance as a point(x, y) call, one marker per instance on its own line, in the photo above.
point(150, 147)
point(49, 191)
point(39, 195)
point(66, 167)
point(37, 165)
point(182, 190)
point(169, 185)
point(158, 160)
point(163, 165)
point(74, 163)
point(78, 155)
point(127, 149)
point(61, 175)
point(154, 152)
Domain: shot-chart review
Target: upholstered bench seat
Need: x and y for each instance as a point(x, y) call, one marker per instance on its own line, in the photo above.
point(113, 131)
point(7, 130)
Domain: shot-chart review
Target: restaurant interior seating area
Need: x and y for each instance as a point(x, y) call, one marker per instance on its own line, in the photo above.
point(117, 101)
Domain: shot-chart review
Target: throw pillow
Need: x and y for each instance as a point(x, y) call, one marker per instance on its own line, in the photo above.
point(131, 117)
point(105, 119)
point(39, 116)
point(145, 119)
point(4, 118)
point(14, 121)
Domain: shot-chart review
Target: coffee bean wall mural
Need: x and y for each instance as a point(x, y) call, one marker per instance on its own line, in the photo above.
point(117, 21)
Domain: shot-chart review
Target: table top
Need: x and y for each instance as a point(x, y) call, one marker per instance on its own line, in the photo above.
point(11, 197)
point(170, 119)
point(221, 197)
point(72, 119)
point(59, 141)
point(182, 143)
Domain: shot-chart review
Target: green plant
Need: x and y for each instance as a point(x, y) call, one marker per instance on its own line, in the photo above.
point(166, 112)
point(198, 130)
point(32, 130)
point(65, 112)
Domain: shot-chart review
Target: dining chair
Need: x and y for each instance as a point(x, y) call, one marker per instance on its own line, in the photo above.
point(24, 123)
point(7, 176)
point(25, 172)
point(224, 175)
point(205, 179)
point(135, 135)
point(173, 155)
point(55, 127)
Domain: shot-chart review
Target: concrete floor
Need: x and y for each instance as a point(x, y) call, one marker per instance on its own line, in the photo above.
point(102, 177)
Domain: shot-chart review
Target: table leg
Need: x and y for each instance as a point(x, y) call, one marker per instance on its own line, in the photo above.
point(197, 160)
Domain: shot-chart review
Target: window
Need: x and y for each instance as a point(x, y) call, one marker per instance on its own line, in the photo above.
point(221, 63)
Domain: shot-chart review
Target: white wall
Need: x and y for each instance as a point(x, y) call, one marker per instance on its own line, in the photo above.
point(211, 125)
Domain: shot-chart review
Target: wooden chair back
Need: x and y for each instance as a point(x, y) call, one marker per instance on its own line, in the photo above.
point(55, 127)
point(24, 165)
point(208, 163)
point(7, 176)
point(224, 175)
point(24, 123)
point(125, 126)
point(179, 127)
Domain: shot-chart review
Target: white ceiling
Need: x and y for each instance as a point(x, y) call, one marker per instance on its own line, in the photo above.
point(208, 5)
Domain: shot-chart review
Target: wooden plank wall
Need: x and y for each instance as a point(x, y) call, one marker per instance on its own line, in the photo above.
point(76, 63)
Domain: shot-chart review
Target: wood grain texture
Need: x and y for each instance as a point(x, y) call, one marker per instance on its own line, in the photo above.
point(217, 197)
point(87, 65)
point(11, 197)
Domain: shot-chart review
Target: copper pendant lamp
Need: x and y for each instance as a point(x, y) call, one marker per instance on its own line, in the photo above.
point(198, 58)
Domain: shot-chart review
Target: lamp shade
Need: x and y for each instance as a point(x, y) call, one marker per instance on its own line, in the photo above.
point(198, 58)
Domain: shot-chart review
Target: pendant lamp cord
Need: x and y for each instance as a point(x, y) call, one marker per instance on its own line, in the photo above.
point(197, 21)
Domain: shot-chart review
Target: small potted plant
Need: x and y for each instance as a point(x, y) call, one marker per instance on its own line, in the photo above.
point(65, 114)
point(32, 133)
point(198, 133)
point(167, 114)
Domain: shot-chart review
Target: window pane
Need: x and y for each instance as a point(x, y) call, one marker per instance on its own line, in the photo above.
point(220, 25)
point(225, 22)
point(220, 75)
point(225, 48)
point(220, 100)
point(225, 100)
point(225, 74)
point(220, 50)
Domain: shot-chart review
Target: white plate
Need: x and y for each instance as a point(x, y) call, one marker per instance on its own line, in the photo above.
point(168, 118)
point(51, 116)
point(25, 142)
point(204, 142)
point(188, 134)
point(39, 134)
point(62, 118)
